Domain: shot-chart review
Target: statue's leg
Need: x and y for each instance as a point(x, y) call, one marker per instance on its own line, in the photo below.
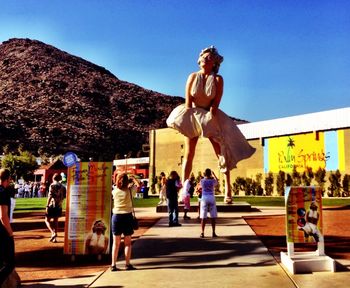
point(228, 190)
point(190, 147)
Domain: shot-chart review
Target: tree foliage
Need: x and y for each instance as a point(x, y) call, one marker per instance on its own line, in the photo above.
point(346, 185)
point(280, 182)
point(21, 165)
point(334, 189)
point(296, 177)
point(269, 184)
point(320, 176)
point(307, 176)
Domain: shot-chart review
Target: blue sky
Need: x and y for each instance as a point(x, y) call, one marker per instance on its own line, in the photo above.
point(281, 58)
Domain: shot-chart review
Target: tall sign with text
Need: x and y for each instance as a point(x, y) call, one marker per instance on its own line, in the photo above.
point(88, 208)
point(304, 224)
point(304, 214)
point(325, 150)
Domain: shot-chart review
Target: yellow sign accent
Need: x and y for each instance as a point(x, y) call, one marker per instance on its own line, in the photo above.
point(299, 151)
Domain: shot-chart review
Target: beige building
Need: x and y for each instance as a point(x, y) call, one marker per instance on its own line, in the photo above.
point(167, 150)
point(315, 140)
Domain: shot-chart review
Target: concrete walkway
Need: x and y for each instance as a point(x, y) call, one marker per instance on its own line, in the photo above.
point(177, 257)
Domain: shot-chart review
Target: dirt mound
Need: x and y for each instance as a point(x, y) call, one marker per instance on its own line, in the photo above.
point(54, 102)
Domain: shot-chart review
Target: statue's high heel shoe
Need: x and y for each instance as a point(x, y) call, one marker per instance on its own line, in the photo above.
point(228, 200)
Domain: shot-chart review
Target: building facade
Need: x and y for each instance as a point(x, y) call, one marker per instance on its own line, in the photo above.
point(135, 166)
point(315, 140)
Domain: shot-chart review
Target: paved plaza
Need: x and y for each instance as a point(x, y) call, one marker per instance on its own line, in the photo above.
point(178, 257)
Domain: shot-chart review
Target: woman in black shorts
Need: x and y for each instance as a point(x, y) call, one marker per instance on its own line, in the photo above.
point(122, 218)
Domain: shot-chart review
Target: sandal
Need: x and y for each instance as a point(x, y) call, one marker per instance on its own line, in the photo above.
point(53, 238)
point(114, 268)
point(129, 267)
point(202, 235)
point(228, 200)
point(214, 235)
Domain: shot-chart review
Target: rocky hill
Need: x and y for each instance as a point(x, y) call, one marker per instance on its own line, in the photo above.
point(54, 102)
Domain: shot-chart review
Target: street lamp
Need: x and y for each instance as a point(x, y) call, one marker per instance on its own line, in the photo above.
point(126, 162)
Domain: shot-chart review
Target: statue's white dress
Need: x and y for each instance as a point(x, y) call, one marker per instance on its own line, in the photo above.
point(198, 121)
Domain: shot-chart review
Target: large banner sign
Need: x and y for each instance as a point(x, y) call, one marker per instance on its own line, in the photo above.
point(312, 150)
point(88, 208)
point(304, 214)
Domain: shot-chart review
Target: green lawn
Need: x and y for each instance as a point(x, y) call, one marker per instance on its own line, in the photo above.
point(30, 204)
point(252, 200)
point(38, 204)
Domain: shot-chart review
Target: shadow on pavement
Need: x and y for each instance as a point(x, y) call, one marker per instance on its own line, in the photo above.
point(200, 253)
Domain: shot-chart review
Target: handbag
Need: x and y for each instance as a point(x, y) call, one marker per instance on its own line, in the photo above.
point(135, 222)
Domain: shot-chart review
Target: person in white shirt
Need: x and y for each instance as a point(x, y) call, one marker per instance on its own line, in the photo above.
point(186, 196)
point(122, 218)
point(162, 191)
point(312, 215)
point(208, 203)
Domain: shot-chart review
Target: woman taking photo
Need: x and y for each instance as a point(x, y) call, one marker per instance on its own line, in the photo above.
point(208, 204)
point(122, 218)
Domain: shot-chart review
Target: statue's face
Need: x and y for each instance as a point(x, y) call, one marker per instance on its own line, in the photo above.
point(99, 227)
point(206, 60)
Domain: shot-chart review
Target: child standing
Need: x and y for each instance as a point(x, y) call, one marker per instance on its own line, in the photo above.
point(186, 196)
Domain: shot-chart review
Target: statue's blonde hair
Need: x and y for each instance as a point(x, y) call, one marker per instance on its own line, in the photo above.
point(217, 57)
